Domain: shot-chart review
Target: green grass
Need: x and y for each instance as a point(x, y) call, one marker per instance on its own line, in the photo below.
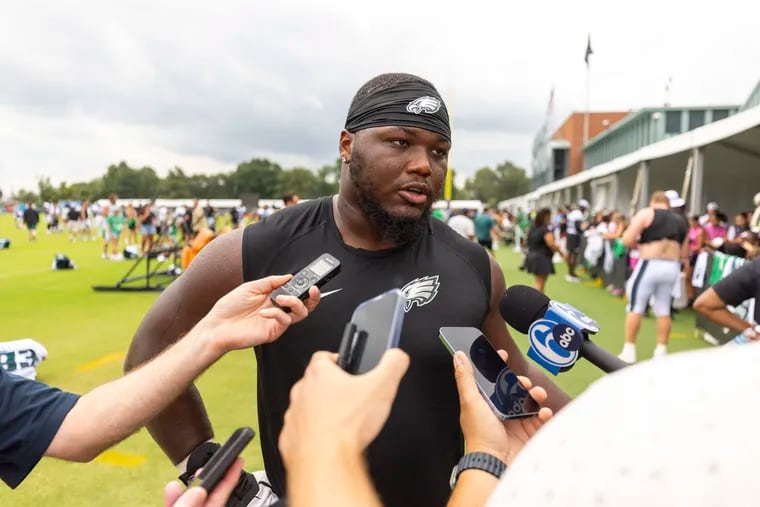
point(77, 325)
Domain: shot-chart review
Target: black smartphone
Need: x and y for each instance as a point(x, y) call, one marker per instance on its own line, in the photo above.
point(221, 461)
point(375, 327)
point(496, 381)
point(318, 272)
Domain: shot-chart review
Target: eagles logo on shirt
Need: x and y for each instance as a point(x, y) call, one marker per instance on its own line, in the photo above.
point(420, 291)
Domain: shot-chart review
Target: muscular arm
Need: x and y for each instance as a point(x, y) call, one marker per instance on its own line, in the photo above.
point(496, 331)
point(215, 271)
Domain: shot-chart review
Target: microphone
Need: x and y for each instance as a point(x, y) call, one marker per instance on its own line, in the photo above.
point(558, 332)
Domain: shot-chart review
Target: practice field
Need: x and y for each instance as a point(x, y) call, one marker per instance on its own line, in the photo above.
point(87, 334)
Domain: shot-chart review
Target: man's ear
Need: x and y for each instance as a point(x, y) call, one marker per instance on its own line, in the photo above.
point(346, 145)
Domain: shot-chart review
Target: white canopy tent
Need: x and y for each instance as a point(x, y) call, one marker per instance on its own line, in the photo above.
point(717, 162)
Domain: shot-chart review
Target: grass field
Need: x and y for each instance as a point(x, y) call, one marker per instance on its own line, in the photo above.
point(87, 334)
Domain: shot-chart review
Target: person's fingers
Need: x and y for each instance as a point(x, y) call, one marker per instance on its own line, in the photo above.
point(192, 497)
point(267, 284)
point(466, 386)
point(281, 317)
point(313, 300)
point(220, 494)
point(503, 355)
point(539, 394)
point(525, 382)
point(172, 491)
point(392, 367)
point(298, 311)
point(545, 414)
point(322, 356)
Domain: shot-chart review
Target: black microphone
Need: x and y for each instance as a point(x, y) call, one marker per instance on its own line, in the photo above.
point(558, 332)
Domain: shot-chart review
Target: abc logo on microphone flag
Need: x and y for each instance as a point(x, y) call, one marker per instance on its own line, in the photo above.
point(554, 343)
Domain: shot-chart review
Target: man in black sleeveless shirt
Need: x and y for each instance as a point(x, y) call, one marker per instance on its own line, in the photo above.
point(394, 149)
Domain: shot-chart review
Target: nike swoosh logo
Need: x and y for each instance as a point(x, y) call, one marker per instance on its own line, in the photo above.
point(325, 294)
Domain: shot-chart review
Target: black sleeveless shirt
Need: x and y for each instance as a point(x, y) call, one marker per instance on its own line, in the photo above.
point(666, 224)
point(447, 280)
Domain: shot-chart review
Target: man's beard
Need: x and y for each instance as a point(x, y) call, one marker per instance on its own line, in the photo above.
point(399, 230)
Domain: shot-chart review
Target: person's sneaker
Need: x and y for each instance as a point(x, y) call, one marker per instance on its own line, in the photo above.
point(660, 351)
point(628, 354)
point(571, 278)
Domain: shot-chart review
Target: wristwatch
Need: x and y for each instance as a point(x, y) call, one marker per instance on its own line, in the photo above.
point(479, 461)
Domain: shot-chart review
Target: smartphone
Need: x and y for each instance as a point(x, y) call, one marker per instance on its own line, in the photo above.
point(496, 381)
point(375, 327)
point(221, 461)
point(318, 272)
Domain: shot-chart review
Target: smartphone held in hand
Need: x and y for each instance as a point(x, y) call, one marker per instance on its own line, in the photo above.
point(497, 383)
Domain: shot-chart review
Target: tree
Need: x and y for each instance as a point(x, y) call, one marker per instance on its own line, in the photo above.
point(46, 190)
point(513, 180)
point(300, 181)
point(329, 178)
point(493, 185)
point(258, 176)
point(128, 182)
point(24, 196)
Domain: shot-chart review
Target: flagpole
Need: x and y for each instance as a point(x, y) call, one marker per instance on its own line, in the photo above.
point(588, 95)
point(589, 52)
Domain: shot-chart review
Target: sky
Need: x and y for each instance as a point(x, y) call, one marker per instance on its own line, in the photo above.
point(205, 85)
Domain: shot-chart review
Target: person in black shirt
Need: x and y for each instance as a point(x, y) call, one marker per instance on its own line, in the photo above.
point(31, 219)
point(541, 248)
point(394, 150)
point(739, 286)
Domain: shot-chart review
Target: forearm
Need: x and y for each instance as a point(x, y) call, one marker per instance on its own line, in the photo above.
point(334, 477)
point(473, 488)
point(725, 318)
point(113, 411)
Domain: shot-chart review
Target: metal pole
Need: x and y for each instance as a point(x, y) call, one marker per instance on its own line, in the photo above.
point(588, 94)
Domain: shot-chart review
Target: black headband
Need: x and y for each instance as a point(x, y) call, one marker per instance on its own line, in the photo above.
point(401, 105)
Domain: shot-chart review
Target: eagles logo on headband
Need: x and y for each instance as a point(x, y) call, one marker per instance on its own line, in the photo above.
point(402, 105)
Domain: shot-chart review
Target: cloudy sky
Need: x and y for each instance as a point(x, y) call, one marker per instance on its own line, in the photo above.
point(204, 85)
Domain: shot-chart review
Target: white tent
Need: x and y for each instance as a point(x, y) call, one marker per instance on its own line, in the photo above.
point(718, 162)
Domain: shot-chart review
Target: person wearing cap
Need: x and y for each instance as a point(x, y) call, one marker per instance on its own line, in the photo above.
point(576, 219)
point(754, 221)
point(661, 237)
point(677, 203)
point(712, 209)
point(394, 150)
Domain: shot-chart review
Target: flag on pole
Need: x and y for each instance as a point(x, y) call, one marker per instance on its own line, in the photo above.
point(448, 188)
point(589, 51)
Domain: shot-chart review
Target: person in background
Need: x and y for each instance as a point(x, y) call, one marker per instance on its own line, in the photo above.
point(484, 229)
point(754, 222)
point(734, 232)
point(616, 226)
point(85, 228)
point(147, 219)
point(198, 218)
point(541, 249)
point(576, 219)
point(115, 224)
point(290, 199)
point(712, 208)
point(31, 219)
point(210, 216)
point(661, 237)
point(697, 241)
point(131, 216)
point(461, 222)
point(715, 230)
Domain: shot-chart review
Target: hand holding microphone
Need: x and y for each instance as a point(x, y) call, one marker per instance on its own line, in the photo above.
point(558, 332)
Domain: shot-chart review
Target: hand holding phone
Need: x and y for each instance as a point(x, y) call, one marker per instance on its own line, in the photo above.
point(318, 272)
point(496, 382)
point(375, 327)
point(215, 468)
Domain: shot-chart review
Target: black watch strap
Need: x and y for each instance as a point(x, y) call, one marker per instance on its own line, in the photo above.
point(479, 461)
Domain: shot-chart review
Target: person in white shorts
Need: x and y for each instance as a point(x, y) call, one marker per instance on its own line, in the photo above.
point(660, 235)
